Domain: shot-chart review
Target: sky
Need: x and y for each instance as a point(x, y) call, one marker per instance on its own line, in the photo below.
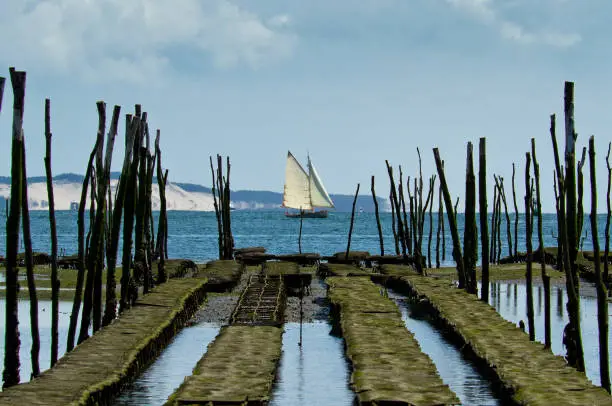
point(352, 83)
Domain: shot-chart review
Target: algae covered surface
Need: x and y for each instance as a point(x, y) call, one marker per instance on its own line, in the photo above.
point(529, 373)
point(496, 272)
point(96, 369)
point(238, 366)
point(388, 364)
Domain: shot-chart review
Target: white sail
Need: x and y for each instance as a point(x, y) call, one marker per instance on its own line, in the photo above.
point(318, 194)
point(296, 194)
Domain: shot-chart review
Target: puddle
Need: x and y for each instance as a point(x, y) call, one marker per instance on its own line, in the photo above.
point(168, 371)
point(457, 371)
point(510, 301)
point(315, 373)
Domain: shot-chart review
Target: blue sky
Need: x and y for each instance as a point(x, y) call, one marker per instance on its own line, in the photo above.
point(351, 82)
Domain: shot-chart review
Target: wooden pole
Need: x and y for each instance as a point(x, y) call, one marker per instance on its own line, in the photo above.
point(129, 207)
point(451, 220)
point(217, 211)
point(498, 245)
point(2, 81)
point(508, 227)
point(78, 292)
point(300, 233)
point(55, 283)
point(528, 234)
point(602, 293)
point(402, 205)
point(580, 186)
point(395, 236)
point(470, 234)
point(378, 225)
point(348, 245)
point(161, 266)
point(483, 214)
point(608, 216)
point(440, 226)
point(229, 244)
point(443, 225)
point(545, 276)
point(576, 359)
point(493, 223)
point(10, 374)
point(131, 128)
point(395, 201)
point(27, 241)
point(516, 214)
point(430, 225)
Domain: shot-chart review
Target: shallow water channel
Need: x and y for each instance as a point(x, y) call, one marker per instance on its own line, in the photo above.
point(457, 371)
point(167, 372)
point(316, 372)
point(510, 301)
point(44, 331)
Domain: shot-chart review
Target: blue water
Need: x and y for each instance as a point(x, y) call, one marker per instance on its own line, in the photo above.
point(194, 234)
point(510, 301)
point(459, 373)
point(166, 374)
point(315, 373)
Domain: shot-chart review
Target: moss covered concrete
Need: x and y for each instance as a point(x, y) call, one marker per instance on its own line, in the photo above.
point(528, 373)
point(97, 369)
point(238, 368)
point(388, 364)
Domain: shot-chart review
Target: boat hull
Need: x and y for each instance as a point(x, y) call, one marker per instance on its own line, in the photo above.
point(309, 214)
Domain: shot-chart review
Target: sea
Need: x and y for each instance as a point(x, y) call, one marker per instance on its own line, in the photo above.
point(194, 235)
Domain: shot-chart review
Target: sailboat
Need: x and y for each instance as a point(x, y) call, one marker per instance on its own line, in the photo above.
point(304, 190)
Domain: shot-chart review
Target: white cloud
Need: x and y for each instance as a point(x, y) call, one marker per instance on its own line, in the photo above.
point(486, 12)
point(130, 40)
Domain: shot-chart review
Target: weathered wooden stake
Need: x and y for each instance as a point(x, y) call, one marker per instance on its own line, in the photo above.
point(440, 226)
point(27, 241)
point(575, 352)
point(452, 220)
point(545, 276)
point(55, 283)
point(580, 186)
point(430, 225)
point(602, 294)
point(131, 129)
point(300, 233)
point(10, 374)
point(483, 214)
point(494, 224)
point(398, 212)
point(516, 215)
point(348, 245)
point(608, 216)
point(78, 292)
point(161, 265)
point(393, 228)
point(217, 210)
point(528, 234)
point(378, 225)
point(470, 234)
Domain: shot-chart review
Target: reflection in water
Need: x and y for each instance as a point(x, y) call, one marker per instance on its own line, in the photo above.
point(456, 371)
point(315, 373)
point(44, 328)
point(160, 379)
point(588, 320)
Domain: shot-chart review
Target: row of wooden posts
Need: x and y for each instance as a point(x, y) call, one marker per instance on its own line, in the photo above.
point(131, 202)
point(408, 230)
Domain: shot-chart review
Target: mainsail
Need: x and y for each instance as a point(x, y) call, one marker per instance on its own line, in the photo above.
point(303, 190)
point(296, 194)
